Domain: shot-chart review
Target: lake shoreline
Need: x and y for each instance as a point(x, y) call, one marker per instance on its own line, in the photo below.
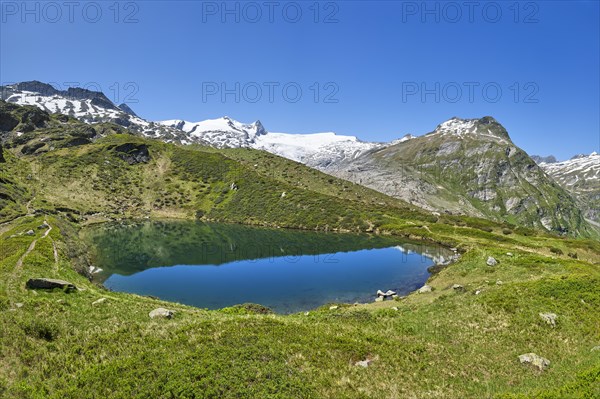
point(439, 256)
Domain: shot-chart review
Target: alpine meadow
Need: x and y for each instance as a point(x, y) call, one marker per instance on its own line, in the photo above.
point(151, 247)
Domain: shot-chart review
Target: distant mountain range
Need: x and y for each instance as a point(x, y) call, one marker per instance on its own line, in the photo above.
point(467, 166)
point(464, 166)
point(580, 176)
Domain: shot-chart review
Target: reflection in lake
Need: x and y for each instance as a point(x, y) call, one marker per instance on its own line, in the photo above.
point(217, 265)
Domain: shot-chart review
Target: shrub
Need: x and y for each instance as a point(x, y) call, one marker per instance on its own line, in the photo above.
point(247, 308)
point(40, 329)
point(555, 250)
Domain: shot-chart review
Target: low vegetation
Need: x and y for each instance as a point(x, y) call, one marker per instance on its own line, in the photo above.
point(447, 343)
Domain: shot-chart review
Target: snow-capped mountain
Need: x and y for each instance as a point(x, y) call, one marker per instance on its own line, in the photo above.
point(221, 133)
point(580, 176)
point(576, 170)
point(318, 150)
point(465, 166)
point(484, 127)
point(86, 105)
point(314, 149)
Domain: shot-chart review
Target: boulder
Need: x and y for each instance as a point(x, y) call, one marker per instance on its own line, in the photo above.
point(48, 284)
point(424, 289)
point(133, 153)
point(379, 299)
point(491, 261)
point(7, 121)
point(99, 301)
point(458, 287)
point(363, 363)
point(161, 312)
point(549, 318)
point(535, 360)
point(385, 294)
point(29, 233)
point(334, 307)
point(29, 149)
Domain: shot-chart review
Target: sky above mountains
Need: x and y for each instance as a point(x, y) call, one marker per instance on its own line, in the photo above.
point(376, 70)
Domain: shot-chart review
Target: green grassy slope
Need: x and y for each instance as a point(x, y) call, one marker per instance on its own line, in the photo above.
point(488, 175)
point(443, 344)
point(480, 173)
point(195, 182)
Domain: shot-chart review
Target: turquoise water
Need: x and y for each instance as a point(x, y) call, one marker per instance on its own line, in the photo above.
point(214, 265)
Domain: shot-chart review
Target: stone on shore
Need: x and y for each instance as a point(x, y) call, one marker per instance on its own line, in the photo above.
point(49, 283)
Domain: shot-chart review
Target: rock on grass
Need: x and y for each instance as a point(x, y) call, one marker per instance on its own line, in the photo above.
point(549, 318)
point(49, 283)
point(161, 312)
point(535, 360)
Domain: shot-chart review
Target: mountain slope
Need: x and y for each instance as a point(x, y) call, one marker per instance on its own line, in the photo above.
point(103, 171)
point(92, 342)
point(581, 177)
point(86, 105)
point(314, 149)
point(467, 166)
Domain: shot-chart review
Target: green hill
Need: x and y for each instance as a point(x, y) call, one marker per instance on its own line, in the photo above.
point(469, 167)
point(447, 343)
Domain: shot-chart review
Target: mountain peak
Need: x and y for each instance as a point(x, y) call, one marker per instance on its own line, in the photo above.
point(540, 159)
point(127, 109)
point(35, 86)
point(260, 129)
point(485, 126)
point(582, 156)
point(404, 138)
point(47, 90)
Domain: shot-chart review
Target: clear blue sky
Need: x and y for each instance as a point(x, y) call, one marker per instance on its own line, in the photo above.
point(374, 58)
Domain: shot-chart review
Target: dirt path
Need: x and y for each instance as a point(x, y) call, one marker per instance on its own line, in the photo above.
point(55, 256)
point(10, 281)
point(30, 211)
point(4, 227)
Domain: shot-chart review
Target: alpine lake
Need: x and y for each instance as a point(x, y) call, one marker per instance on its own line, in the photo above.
point(210, 265)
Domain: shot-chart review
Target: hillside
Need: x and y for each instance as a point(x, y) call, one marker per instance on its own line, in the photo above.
point(103, 172)
point(445, 343)
point(468, 167)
